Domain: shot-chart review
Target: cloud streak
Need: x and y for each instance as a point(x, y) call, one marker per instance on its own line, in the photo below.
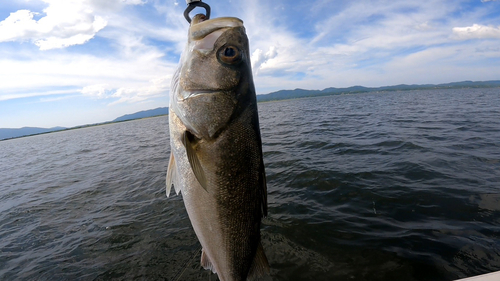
point(477, 31)
point(156, 87)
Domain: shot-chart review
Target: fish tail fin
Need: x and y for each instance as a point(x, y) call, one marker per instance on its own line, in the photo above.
point(260, 265)
point(172, 176)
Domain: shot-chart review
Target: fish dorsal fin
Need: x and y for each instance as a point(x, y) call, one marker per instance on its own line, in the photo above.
point(172, 176)
point(187, 140)
point(206, 263)
point(260, 265)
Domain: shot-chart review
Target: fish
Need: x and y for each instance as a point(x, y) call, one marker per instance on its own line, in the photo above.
point(216, 160)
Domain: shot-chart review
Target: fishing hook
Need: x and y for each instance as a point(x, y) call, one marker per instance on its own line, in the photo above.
point(193, 4)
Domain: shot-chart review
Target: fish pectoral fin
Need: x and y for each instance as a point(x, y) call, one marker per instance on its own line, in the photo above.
point(206, 263)
point(260, 265)
point(187, 140)
point(172, 176)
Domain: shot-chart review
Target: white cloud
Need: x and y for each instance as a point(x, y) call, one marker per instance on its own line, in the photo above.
point(159, 86)
point(34, 93)
point(99, 91)
point(274, 48)
point(133, 2)
point(476, 31)
point(64, 22)
point(132, 68)
point(146, 75)
point(361, 43)
point(260, 58)
point(17, 25)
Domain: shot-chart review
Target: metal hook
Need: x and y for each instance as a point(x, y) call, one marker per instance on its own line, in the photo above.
point(193, 5)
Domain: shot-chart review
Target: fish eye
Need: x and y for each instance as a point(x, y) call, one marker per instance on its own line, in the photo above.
point(229, 54)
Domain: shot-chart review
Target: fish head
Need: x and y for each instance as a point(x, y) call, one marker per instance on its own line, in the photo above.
point(214, 79)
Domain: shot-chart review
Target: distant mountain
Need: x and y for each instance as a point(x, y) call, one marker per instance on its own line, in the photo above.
point(143, 114)
point(301, 93)
point(28, 131)
point(288, 94)
point(25, 131)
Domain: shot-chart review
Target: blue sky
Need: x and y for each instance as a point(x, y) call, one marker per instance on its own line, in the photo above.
point(75, 62)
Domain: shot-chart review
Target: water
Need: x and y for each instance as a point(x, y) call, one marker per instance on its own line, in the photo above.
point(379, 186)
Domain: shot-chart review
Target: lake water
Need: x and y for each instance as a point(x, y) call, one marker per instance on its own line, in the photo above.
point(378, 186)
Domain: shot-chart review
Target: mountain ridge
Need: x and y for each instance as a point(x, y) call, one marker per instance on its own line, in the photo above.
point(302, 93)
point(10, 133)
point(143, 114)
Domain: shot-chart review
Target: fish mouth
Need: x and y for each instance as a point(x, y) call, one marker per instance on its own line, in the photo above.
point(200, 27)
point(187, 94)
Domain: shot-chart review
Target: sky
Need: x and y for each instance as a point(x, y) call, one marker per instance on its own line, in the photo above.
point(76, 62)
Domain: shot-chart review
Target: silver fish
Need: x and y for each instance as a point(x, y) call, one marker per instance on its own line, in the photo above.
point(216, 149)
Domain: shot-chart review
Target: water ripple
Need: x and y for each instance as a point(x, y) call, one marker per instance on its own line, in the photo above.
point(379, 186)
